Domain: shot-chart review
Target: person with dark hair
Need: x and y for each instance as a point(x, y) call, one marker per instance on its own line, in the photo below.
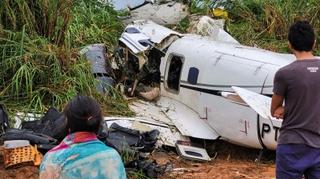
point(81, 154)
point(298, 85)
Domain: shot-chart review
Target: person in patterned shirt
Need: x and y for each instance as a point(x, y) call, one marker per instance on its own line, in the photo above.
point(81, 154)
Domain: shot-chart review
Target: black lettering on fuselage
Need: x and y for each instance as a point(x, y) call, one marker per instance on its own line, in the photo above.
point(265, 129)
point(276, 129)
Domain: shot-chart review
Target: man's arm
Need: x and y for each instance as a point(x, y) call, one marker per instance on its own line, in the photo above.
point(279, 91)
point(277, 110)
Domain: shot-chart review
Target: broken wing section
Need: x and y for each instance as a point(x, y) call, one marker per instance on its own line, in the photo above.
point(261, 104)
point(268, 126)
point(175, 113)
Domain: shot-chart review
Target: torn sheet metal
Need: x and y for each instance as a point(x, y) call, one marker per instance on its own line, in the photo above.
point(174, 113)
point(142, 35)
point(260, 103)
point(95, 53)
point(211, 28)
point(192, 153)
point(168, 134)
point(135, 40)
point(156, 32)
point(186, 120)
point(125, 4)
point(234, 97)
point(163, 14)
point(149, 110)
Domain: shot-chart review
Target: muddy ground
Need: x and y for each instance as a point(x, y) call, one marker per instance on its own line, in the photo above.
point(230, 162)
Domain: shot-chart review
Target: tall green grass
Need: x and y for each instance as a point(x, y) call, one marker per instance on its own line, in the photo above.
point(265, 23)
point(94, 22)
point(39, 60)
point(262, 23)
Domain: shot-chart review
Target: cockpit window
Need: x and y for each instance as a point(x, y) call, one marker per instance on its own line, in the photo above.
point(173, 80)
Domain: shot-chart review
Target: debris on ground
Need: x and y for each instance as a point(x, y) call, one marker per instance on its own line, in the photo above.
point(192, 153)
point(20, 144)
point(96, 54)
point(17, 153)
point(126, 4)
point(168, 135)
point(212, 28)
point(137, 59)
point(164, 14)
point(231, 162)
point(129, 139)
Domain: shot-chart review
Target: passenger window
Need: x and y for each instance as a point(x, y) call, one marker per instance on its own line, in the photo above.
point(193, 75)
point(174, 73)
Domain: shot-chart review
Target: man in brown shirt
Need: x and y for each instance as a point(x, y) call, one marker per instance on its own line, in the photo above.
point(298, 85)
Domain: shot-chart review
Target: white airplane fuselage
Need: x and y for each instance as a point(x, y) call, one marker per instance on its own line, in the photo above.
point(202, 69)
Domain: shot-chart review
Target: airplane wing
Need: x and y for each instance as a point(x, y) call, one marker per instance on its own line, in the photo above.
point(175, 113)
point(260, 103)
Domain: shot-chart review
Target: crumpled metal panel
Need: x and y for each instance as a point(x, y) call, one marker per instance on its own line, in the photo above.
point(125, 4)
point(161, 13)
point(96, 55)
point(156, 32)
point(142, 35)
point(135, 40)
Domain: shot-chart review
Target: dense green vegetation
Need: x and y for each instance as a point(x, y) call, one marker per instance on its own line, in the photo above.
point(39, 45)
point(264, 23)
point(40, 41)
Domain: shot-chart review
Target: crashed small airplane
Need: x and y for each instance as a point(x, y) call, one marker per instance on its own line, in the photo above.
point(210, 87)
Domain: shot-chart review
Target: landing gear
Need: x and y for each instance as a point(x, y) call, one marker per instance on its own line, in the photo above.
point(261, 153)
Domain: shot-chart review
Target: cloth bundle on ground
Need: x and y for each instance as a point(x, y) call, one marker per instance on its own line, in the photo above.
point(45, 133)
point(4, 123)
point(52, 124)
point(51, 129)
point(150, 168)
point(133, 142)
point(32, 137)
point(124, 139)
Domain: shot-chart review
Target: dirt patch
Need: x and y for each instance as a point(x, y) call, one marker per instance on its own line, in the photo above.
point(19, 173)
point(24, 172)
point(222, 169)
point(231, 162)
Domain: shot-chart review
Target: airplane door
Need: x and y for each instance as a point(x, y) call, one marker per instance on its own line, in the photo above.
point(176, 81)
point(173, 73)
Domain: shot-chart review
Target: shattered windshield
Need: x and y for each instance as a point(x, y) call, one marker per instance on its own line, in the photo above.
point(123, 4)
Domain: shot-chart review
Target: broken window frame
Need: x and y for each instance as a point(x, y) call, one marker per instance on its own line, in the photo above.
point(168, 64)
